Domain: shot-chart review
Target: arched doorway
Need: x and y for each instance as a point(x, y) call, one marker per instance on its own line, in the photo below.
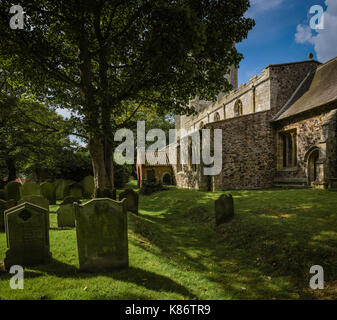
point(312, 166)
point(167, 179)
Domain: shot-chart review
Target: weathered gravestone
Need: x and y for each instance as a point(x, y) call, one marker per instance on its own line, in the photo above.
point(60, 186)
point(66, 216)
point(88, 187)
point(132, 199)
point(13, 190)
point(30, 189)
point(37, 200)
point(74, 190)
point(48, 191)
point(27, 235)
point(102, 235)
point(69, 200)
point(224, 209)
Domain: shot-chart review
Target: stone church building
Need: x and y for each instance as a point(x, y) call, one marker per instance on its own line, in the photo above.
point(280, 129)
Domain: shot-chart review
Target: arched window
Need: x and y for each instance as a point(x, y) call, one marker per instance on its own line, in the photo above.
point(216, 117)
point(238, 108)
point(202, 125)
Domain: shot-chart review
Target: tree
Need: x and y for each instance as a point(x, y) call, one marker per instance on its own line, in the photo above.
point(30, 133)
point(92, 56)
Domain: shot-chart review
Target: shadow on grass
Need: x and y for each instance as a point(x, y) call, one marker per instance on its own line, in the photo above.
point(140, 277)
point(270, 245)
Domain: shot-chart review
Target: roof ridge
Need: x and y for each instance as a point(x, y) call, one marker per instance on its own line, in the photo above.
point(326, 63)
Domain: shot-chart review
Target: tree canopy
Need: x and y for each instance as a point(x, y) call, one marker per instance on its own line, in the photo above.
point(96, 56)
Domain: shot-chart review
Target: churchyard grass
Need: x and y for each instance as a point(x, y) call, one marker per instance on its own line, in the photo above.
point(176, 252)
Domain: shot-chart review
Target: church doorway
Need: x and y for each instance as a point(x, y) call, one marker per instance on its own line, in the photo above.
point(312, 166)
point(167, 180)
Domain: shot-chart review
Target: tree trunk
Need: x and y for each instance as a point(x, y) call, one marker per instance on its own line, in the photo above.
point(102, 162)
point(10, 163)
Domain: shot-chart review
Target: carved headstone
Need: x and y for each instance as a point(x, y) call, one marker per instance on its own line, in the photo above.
point(30, 189)
point(13, 190)
point(66, 216)
point(132, 199)
point(48, 191)
point(102, 235)
point(224, 209)
point(27, 235)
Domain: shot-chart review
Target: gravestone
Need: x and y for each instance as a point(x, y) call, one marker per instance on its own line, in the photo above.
point(88, 187)
point(13, 190)
point(48, 191)
point(37, 200)
point(224, 209)
point(66, 216)
point(74, 190)
point(102, 235)
point(132, 199)
point(69, 200)
point(60, 186)
point(30, 189)
point(27, 236)
point(4, 205)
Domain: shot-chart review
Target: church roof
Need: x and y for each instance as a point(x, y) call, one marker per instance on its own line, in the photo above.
point(319, 88)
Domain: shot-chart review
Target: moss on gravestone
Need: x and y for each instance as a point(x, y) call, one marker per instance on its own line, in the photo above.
point(36, 200)
point(132, 199)
point(88, 187)
point(102, 235)
point(27, 233)
point(30, 189)
point(48, 191)
point(61, 185)
point(13, 190)
point(66, 216)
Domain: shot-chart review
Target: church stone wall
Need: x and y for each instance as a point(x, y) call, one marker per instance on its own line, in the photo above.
point(314, 129)
point(248, 152)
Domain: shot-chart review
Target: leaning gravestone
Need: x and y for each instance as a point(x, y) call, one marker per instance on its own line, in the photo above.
point(224, 209)
point(88, 187)
point(27, 236)
point(102, 235)
point(48, 191)
point(13, 190)
point(66, 216)
point(30, 189)
point(132, 199)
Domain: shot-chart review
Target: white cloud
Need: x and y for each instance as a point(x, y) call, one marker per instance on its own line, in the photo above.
point(259, 6)
point(325, 40)
point(303, 34)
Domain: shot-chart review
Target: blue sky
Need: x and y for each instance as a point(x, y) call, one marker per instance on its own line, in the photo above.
point(282, 34)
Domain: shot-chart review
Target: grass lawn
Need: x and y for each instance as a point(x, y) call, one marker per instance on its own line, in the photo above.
point(176, 252)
